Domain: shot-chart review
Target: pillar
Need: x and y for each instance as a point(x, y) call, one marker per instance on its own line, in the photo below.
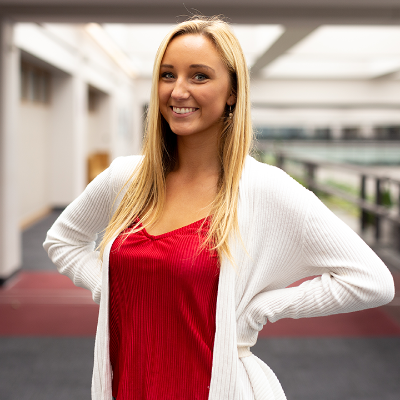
point(68, 141)
point(10, 241)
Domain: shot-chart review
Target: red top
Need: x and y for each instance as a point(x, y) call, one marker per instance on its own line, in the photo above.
point(163, 294)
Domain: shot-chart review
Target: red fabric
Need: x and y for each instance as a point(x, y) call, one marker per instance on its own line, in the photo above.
point(163, 293)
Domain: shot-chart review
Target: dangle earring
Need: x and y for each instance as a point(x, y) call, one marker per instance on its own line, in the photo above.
point(230, 112)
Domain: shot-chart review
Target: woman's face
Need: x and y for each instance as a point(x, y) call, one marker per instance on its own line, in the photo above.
point(194, 86)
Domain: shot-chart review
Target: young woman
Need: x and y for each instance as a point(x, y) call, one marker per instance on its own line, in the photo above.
point(201, 240)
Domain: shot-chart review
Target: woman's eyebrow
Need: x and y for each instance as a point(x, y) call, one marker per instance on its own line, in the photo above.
point(201, 66)
point(191, 66)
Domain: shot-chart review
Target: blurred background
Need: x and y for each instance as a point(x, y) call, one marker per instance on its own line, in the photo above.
point(75, 83)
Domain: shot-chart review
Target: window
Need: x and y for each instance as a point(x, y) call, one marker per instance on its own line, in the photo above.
point(280, 132)
point(322, 133)
point(387, 132)
point(351, 133)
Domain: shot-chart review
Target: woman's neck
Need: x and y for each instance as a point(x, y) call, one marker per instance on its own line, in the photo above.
point(197, 156)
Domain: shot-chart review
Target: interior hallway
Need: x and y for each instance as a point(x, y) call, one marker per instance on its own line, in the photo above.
point(48, 326)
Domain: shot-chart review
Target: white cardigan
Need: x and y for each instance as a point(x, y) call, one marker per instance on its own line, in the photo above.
point(288, 234)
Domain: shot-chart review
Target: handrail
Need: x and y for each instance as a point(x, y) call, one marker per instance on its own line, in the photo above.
point(346, 166)
point(377, 209)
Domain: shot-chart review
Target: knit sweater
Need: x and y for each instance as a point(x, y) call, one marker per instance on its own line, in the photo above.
point(287, 234)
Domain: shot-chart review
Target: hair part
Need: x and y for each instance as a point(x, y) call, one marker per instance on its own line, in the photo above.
point(145, 195)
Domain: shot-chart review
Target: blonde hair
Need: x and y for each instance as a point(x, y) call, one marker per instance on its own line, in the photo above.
point(145, 195)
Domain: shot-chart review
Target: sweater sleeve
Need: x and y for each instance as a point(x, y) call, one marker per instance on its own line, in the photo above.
point(350, 277)
point(70, 242)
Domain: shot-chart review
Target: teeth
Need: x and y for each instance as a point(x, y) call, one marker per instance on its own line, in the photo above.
point(183, 110)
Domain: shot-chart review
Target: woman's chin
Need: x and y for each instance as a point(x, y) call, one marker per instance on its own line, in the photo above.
point(182, 131)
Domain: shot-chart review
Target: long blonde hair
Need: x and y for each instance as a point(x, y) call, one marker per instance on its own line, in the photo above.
point(145, 195)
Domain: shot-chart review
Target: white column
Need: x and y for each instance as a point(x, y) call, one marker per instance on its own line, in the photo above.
point(68, 141)
point(367, 131)
point(80, 135)
point(123, 120)
point(10, 242)
point(336, 131)
point(137, 122)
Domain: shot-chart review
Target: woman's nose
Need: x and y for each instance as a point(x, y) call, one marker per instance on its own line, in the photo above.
point(180, 90)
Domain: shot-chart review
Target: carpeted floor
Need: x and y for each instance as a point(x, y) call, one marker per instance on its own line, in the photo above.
point(33, 255)
point(49, 368)
point(45, 368)
point(334, 368)
point(47, 338)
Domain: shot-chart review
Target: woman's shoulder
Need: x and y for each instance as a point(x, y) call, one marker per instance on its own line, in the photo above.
point(270, 188)
point(123, 164)
point(266, 177)
point(122, 168)
point(121, 172)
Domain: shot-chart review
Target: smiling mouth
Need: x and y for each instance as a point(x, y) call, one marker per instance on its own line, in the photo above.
point(183, 110)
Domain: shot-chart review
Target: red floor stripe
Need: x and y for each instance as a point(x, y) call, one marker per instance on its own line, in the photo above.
point(372, 322)
point(48, 304)
point(39, 280)
point(48, 320)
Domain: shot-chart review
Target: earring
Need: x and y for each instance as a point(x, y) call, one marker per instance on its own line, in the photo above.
point(230, 112)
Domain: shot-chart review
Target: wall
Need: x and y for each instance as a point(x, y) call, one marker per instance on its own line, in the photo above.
point(76, 62)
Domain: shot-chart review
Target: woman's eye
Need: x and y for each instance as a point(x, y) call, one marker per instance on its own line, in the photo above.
point(200, 77)
point(167, 75)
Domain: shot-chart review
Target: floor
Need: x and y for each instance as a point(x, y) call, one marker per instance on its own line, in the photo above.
point(48, 326)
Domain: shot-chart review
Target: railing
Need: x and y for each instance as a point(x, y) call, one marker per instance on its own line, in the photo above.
point(376, 208)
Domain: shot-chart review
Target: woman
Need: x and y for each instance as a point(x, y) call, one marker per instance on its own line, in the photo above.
point(204, 240)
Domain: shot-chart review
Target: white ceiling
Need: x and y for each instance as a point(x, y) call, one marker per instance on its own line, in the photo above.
point(329, 52)
point(373, 12)
point(352, 52)
point(140, 41)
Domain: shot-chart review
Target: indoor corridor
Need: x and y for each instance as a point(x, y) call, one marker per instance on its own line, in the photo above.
point(75, 89)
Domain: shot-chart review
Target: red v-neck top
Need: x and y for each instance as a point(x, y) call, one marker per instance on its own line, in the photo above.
point(163, 293)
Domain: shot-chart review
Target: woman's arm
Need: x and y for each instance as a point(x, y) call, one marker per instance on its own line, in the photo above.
point(351, 276)
point(70, 242)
